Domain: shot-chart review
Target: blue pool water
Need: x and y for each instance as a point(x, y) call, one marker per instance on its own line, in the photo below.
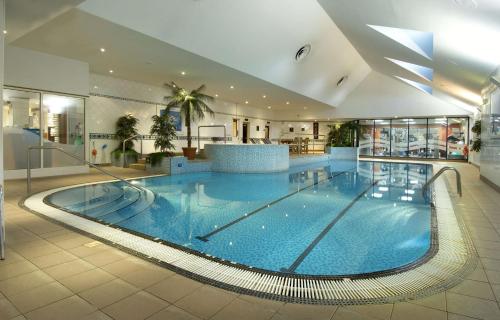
point(330, 218)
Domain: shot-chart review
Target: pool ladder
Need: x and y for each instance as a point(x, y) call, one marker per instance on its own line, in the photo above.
point(440, 172)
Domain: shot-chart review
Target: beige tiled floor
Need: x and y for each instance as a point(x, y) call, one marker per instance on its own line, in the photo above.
point(53, 273)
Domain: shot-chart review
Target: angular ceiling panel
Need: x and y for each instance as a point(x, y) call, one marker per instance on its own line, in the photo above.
point(423, 72)
point(420, 86)
point(419, 41)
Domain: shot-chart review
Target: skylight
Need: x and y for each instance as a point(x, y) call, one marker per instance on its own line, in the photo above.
point(418, 41)
point(422, 87)
point(421, 71)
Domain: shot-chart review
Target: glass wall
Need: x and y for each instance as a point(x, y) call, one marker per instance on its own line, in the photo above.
point(417, 138)
point(457, 138)
point(63, 119)
point(436, 142)
point(31, 118)
point(382, 138)
point(399, 138)
point(433, 138)
point(21, 127)
point(366, 137)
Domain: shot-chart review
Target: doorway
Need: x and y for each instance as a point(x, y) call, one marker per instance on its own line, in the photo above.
point(267, 132)
point(245, 132)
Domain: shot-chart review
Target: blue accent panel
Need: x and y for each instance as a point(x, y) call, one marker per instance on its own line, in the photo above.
point(420, 86)
point(421, 71)
point(420, 42)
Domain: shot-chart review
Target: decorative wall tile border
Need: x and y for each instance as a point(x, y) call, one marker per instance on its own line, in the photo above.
point(112, 136)
point(454, 259)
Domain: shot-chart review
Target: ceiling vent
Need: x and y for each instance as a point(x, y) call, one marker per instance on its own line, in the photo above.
point(342, 81)
point(303, 52)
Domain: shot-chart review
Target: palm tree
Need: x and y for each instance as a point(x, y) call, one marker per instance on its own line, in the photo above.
point(192, 105)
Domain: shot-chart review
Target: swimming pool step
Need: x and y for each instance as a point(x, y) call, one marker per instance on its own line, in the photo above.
point(145, 200)
point(129, 196)
point(100, 196)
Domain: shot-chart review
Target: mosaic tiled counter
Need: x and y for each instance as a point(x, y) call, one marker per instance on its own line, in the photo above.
point(248, 158)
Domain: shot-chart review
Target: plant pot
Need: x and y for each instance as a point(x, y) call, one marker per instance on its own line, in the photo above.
point(189, 153)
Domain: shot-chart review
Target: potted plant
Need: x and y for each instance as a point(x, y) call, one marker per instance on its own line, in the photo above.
point(341, 140)
point(476, 143)
point(164, 129)
point(192, 106)
point(126, 128)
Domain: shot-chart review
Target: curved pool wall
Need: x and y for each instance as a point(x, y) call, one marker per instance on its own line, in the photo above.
point(212, 194)
point(248, 158)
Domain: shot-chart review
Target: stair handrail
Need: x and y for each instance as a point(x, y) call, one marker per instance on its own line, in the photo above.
point(126, 140)
point(28, 169)
point(440, 172)
point(211, 126)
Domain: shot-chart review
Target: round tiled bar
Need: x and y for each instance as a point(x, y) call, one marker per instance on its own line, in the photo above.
point(248, 158)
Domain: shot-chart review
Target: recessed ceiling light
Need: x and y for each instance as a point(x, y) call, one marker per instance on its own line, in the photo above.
point(96, 87)
point(246, 102)
point(103, 49)
point(216, 95)
point(269, 107)
point(264, 96)
point(5, 32)
point(231, 87)
point(111, 71)
point(183, 73)
point(288, 102)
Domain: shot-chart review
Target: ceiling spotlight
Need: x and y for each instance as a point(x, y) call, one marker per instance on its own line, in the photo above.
point(103, 49)
point(216, 95)
point(288, 102)
point(269, 107)
point(183, 73)
point(264, 96)
point(96, 87)
point(111, 71)
point(5, 32)
point(231, 87)
point(246, 102)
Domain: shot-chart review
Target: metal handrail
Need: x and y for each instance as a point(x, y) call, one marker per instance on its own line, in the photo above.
point(128, 139)
point(28, 173)
point(2, 226)
point(299, 145)
point(440, 172)
point(211, 126)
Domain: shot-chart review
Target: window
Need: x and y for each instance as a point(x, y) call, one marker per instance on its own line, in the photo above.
point(382, 138)
point(417, 138)
point(457, 138)
point(63, 124)
point(436, 139)
point(366, 137)
point(399, 138)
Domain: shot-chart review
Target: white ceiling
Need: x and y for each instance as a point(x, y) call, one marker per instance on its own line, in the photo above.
point(26, 15)
point(135, 56)
point(251, 44)
point(466, 46)
point(258, 37)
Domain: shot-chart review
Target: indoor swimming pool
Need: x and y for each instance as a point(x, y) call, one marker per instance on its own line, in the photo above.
point(329, 219)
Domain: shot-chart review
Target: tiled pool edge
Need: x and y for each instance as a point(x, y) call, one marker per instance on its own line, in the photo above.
point(442, 271)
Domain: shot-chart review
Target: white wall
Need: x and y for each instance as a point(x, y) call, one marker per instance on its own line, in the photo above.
point(32, 69)
point(112, 97)
point(2, 39)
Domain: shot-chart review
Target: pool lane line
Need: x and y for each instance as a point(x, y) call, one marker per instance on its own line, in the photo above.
point(323, 233)
point(205, 237)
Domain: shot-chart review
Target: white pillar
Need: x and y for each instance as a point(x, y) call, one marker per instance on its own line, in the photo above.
point(2, 37)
